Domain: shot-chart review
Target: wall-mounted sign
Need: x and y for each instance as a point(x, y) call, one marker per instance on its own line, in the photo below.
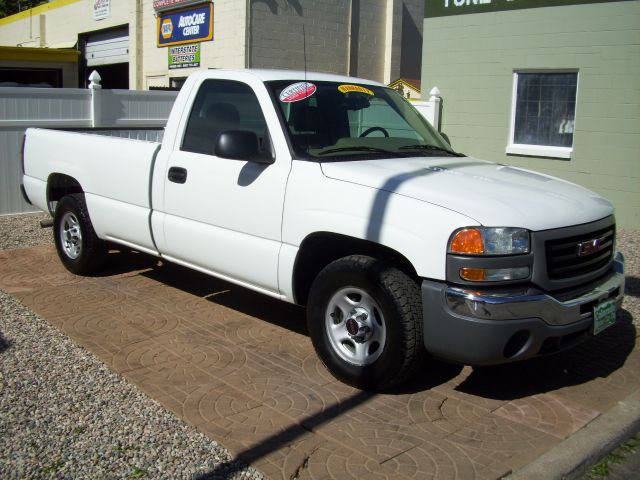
point(161, 5)
point(186, 26)
point(443, 8)
point(101, 9)
point(184, 56)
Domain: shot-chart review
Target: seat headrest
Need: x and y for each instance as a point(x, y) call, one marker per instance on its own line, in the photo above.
point(223, 115)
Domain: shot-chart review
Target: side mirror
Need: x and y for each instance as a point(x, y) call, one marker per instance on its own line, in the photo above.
point(241, 145)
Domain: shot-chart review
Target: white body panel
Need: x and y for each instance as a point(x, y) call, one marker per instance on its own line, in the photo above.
point(227, 217)
point(492, 194)
point(416, 229)
point(113, 172)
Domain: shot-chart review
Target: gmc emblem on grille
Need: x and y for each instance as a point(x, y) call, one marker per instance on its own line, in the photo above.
point(592, 246)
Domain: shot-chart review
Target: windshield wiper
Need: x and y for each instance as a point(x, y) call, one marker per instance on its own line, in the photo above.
point(431, 148)
point(362, 148)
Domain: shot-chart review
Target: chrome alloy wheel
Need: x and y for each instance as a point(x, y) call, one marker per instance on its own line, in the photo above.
point(355, 326)
point(71, 235)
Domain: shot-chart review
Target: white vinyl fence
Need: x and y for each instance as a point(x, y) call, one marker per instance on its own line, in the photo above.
point(432, 108)
point(126, 113)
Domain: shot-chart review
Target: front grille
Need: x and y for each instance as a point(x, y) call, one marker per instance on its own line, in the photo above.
point(579, 255)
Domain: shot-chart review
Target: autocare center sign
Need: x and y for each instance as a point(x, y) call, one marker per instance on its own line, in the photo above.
point(186, 25)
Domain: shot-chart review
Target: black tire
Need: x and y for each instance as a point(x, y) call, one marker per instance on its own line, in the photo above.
point(357, 302)
point(78, 246)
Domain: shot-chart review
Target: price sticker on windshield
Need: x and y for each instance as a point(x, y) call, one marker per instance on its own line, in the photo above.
point(297, 91)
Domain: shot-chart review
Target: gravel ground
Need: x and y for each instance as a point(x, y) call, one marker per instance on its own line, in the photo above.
point(64, 414)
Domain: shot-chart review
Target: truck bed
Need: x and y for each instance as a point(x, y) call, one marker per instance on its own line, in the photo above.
point(115, 174)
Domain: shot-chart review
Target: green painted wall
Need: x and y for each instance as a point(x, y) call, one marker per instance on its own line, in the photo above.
point(471, 59)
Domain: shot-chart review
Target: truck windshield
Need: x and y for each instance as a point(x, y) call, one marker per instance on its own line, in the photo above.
point(329, 121)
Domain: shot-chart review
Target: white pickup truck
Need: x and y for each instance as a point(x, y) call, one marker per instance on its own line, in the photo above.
point(334, 193)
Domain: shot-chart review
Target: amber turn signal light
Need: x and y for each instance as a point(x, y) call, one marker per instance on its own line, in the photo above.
point(467, 241)
point(473, 274)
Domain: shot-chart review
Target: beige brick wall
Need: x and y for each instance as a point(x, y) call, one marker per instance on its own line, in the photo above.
point(59, 26)
point(276, 39)
point(227, 50)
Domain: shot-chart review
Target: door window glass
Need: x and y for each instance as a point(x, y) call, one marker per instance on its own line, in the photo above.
point(219, 106)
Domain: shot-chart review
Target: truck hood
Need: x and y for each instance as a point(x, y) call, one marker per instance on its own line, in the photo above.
point(489, 193)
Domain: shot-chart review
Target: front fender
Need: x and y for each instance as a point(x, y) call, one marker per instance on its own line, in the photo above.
point(416, 229)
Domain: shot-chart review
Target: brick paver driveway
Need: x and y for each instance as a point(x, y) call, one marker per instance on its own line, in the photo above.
point(240, 367)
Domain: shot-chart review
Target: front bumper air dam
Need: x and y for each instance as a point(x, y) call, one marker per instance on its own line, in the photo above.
point(488, 327)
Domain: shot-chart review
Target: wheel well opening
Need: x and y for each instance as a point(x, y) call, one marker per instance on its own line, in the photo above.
point(320, 249)
point(58, 186)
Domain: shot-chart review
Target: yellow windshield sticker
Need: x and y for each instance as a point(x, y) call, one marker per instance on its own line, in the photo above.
point(355, 88)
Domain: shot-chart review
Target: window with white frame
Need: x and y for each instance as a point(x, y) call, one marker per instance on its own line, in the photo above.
point(543, 113)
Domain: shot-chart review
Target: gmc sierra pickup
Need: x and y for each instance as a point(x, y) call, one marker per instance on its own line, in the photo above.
point(334, 193)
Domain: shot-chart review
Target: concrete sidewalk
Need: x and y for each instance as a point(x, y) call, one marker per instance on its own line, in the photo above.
point(240, 367)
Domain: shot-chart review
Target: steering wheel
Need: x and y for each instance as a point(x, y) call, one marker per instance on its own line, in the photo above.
point(373, 129)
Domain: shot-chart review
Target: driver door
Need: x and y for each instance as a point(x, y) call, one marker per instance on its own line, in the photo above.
point(224, 216)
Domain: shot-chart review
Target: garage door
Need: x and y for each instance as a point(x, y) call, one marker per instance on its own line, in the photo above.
point(107, 48)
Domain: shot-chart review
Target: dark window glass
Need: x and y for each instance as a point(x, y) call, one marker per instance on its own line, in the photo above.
point(219, 106)
point(545, 109)
point(31, 77)
point(344, 122)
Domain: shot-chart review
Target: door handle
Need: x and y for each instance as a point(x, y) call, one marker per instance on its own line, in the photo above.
point(177, 175)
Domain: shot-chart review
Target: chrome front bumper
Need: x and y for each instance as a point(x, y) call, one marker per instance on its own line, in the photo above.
point(561, 309)
point(491, 326)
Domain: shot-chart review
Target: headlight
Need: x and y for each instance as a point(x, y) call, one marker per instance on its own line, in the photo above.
point(490, 241)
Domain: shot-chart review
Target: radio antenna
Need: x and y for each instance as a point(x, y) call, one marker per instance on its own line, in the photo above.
point(306, 85)
point(304, 52)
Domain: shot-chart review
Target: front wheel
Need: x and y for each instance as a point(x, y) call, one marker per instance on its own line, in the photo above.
point(78, 245)
point(365, 321)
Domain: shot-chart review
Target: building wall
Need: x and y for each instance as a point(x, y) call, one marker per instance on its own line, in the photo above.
point(471, 59)
point(363, 38)
point(377, 39)
point(58, 24)
point(277, 41)
point(226, 50)
point(371, 40)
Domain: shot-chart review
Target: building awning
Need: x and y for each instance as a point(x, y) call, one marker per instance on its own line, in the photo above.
point(65, 45)
point(29, 54)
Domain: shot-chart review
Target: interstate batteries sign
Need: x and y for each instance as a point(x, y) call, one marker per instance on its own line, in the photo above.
point(186, 26)
point(184, 56)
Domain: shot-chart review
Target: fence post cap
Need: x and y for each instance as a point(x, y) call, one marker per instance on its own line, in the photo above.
point(435, 92)
point(94, 80)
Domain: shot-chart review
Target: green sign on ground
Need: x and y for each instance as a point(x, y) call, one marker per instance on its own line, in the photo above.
point(184, 56)
point(443, 8)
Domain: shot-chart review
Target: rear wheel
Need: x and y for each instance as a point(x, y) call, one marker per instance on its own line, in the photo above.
point(78, 245)
point(365, 321)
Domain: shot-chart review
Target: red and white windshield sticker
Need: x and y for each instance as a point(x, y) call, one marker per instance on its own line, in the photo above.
point(297, 91)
